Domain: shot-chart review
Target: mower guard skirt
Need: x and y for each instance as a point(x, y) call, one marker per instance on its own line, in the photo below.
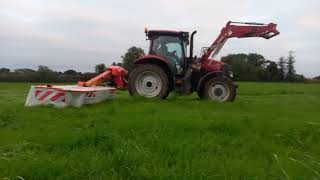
point(67, 95)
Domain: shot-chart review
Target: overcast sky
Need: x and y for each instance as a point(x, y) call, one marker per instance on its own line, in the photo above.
point(78, 34)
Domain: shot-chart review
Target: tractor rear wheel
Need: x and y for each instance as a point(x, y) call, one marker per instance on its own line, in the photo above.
point(149, 81)
point(219, 89)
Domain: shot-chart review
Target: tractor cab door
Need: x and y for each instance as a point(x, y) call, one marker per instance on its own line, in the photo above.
point(172, 49)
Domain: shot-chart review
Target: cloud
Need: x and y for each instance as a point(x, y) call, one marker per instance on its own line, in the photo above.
point(310, 21)
point(79, 33)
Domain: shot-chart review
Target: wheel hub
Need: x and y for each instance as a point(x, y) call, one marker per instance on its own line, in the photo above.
point(218, 92)
point(148, 84)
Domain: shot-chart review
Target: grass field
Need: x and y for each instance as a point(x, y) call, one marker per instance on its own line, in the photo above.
point(271, 131)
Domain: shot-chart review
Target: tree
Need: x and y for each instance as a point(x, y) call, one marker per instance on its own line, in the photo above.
point(256, 60)
point(238, 62)
point(44, 69)
point(272, 72)
point(282, 68)
point(247, 67)
point(290, 67)
point(299, 78)
point(24, 71)
point(4, 70)
point(254, 67)
point(45, 74)
point(132, 54)
point(70, 72)
point(100, 68)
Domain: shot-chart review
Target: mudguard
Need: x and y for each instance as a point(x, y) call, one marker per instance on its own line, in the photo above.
point(154, 59)
point(208, 76)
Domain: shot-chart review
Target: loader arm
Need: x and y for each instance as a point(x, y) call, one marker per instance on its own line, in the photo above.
point(240, 30)
point(115, 74)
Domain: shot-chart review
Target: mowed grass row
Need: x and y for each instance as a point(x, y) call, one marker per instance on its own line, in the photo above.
point(271, 131)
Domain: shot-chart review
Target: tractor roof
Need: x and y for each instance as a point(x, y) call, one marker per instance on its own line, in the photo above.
point(152, 33)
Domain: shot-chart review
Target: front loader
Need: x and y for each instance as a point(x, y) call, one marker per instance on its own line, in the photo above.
point(167, 67)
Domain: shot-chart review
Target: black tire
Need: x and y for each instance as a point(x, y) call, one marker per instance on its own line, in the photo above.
point(158, 72)
point(219, 89)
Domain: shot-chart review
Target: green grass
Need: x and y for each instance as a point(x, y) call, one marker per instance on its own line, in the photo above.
point(271, 131)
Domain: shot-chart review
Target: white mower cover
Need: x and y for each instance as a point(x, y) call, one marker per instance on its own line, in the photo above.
point(70, 95)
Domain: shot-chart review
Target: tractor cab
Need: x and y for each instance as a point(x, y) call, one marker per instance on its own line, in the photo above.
point(170, 45)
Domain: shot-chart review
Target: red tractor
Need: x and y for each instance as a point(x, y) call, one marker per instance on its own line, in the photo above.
point(167, 67)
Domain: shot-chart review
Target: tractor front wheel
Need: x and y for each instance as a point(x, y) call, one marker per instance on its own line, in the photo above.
point(219, 89)
point(149, 81)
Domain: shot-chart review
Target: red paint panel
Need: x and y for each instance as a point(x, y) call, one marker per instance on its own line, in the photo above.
point(55, 97)
point(37, 92)
point(45, 95)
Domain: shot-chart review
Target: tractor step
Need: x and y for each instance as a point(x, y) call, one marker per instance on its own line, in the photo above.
point(182, 84)
point(67, 95)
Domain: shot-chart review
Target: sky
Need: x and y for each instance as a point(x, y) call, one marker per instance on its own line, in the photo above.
point(78, 34)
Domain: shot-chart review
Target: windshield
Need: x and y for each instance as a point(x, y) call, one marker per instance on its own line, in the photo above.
point(169, 47)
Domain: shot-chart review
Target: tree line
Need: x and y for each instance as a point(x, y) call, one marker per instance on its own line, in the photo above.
point(246, 67)
point(255, 67)
point(43, 74)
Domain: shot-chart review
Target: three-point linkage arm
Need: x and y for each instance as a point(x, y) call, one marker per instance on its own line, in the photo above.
point(240, 30)
point(116, 74)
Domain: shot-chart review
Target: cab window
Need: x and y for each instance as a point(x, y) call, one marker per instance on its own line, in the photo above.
point(169, 47)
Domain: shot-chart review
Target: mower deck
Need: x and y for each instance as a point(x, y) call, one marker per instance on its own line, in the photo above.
point(68, 95)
